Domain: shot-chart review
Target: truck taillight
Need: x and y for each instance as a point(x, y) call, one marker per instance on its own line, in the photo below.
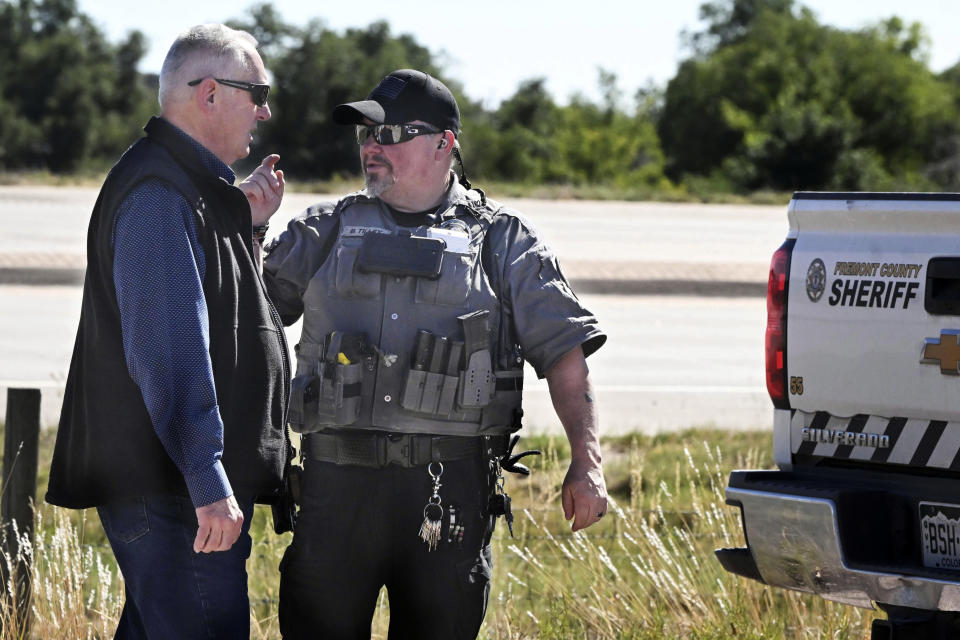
point(776, 337)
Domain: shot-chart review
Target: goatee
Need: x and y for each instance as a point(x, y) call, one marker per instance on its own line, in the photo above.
point(376, 185)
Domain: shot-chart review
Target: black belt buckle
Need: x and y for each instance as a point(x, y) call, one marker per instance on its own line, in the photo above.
point(394, 449)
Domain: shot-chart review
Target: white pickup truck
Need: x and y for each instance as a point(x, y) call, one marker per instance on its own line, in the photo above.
point(862, 360)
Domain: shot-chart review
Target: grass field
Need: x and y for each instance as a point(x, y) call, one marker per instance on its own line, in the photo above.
point(646, 571)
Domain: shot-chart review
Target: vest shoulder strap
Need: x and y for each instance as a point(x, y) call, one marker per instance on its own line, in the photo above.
point(325, 218)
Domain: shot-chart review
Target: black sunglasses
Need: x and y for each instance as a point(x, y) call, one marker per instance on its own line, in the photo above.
point(392, 133)
point(258, 92)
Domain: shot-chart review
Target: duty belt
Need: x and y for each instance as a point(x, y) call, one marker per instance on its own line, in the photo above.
point(378, 450)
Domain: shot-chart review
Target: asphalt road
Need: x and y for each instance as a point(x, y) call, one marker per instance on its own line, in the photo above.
point(672, 361)
point(48, 220)
point(613, 247)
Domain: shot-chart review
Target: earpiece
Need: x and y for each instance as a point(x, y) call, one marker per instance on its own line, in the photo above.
point(443, 143)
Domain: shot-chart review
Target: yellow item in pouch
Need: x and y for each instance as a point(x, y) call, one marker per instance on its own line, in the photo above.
point(342, 359)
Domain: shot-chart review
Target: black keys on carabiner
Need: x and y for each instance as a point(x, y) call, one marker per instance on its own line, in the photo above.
point(508, 513)
point(497, 505)
point(500, 505)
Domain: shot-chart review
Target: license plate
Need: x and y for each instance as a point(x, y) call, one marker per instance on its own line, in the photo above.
point(940, 535)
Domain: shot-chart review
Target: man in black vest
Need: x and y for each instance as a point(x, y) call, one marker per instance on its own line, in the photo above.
point(172, 422)
point(421, 300)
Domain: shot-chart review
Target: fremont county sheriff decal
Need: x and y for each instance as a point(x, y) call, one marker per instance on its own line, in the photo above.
point(816, 280)
point(874, 284)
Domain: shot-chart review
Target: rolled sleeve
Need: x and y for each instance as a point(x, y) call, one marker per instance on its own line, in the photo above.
point(548, 318)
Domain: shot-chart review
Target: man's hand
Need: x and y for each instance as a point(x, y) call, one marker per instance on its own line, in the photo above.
point(220, 525)
point(584, 494)
point(264, 190)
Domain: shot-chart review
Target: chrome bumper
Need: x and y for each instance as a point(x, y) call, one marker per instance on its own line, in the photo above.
point(795, 544)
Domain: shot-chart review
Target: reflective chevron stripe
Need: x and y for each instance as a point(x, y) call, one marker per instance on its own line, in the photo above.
point(917, 443)
point(894, 428)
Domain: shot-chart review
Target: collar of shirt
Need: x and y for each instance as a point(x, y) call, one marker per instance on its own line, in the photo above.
point(210, 162)
point(408, 219)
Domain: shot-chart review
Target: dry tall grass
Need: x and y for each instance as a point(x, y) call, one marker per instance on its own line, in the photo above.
point(76, 591)
point(646, 571)
point(649, 571)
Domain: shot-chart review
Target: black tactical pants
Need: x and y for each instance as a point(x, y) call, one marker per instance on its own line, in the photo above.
point(358, 531)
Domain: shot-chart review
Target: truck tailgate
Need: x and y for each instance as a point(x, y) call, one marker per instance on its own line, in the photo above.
point(860, 337)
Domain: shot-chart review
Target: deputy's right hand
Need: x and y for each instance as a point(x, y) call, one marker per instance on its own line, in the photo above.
point(220, 525)
point(584, 494)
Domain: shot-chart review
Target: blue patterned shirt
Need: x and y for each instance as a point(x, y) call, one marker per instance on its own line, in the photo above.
point(158, 272)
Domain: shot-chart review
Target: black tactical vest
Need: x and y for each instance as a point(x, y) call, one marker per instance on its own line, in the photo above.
point(106, 447)
point(390, 344)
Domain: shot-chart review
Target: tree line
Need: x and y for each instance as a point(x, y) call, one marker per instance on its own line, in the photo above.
point(767, 99)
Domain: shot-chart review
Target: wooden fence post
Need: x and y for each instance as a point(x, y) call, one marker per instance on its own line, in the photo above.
point(20, 448)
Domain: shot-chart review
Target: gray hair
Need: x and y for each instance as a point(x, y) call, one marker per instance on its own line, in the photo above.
point(202, 51)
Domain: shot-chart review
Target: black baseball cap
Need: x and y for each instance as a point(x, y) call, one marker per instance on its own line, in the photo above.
point(404, 96)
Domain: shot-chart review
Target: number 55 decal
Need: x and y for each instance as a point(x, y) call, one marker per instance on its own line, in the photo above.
point(796, 385)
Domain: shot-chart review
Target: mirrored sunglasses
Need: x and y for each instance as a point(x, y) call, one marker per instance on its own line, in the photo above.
point(392, 133)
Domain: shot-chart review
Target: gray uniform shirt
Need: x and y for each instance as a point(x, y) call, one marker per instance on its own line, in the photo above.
point(546, 319)
point(540, 318)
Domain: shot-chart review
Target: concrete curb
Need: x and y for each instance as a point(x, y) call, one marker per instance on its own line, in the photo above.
point(41, 277)
point(699, 288)
point(610, 277)
point(601, 286)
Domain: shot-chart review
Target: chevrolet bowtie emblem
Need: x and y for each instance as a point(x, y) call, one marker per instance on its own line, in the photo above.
point(944, 351)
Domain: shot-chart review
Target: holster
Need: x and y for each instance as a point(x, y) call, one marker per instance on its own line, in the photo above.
point(477, 382)
point(285, 508)
point(330, 393)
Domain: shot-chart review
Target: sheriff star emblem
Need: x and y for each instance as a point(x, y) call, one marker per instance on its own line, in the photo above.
point(944, 351)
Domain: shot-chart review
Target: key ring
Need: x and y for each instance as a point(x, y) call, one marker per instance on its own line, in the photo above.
point(430, 530)
point(433, 511)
